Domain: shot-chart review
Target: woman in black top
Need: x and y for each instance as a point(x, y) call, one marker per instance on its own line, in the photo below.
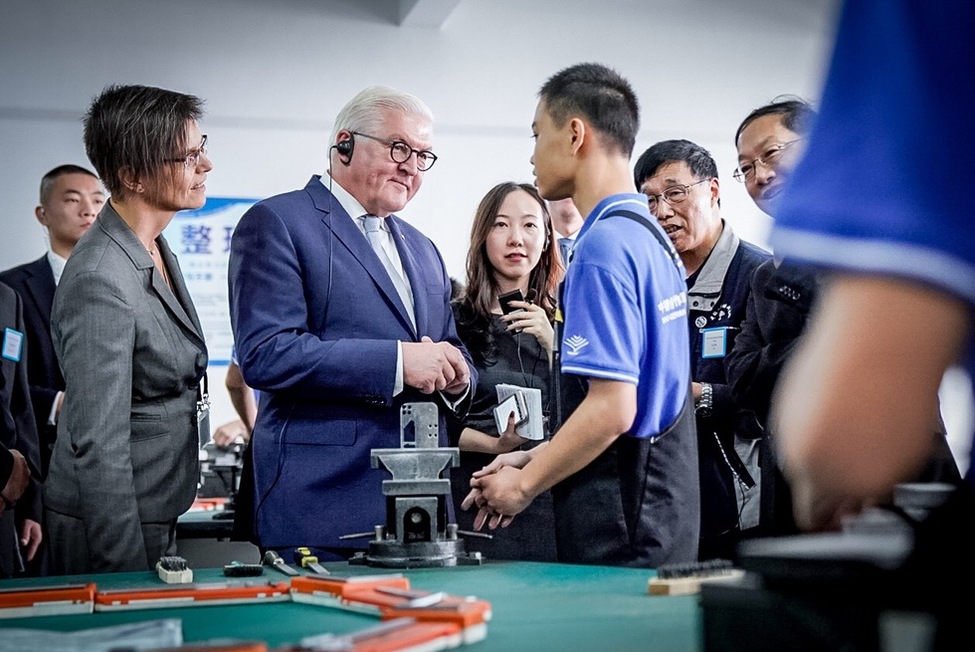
point(512, 248)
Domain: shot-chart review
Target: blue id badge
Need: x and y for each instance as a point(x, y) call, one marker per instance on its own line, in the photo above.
point(714, 342)
point(13, 344)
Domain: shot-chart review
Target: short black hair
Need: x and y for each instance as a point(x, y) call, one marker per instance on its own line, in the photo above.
point(136, 128)
point(47, 181)
point(797, 114)
point(698, 159)
point(598, 93)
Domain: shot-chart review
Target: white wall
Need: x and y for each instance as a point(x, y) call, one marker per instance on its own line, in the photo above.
point(275, 72)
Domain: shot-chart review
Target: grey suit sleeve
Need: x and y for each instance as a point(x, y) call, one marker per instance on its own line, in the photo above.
point(95, 338)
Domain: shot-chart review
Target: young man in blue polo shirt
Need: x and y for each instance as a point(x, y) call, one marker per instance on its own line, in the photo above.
point(623, 467)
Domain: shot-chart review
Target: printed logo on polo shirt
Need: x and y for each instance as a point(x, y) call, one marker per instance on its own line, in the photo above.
point(673, 307)
point(576, 343)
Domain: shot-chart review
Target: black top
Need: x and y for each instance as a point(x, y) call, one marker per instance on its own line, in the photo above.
point(503, 358)
point(34, 282)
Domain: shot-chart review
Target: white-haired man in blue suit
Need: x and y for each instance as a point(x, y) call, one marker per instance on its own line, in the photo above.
point(341, 314)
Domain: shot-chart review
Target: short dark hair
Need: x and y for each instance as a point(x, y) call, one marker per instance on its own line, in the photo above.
point(598, 93)
point(797, 114)
point(698, 159)
point(135, 129)
point(47, 181)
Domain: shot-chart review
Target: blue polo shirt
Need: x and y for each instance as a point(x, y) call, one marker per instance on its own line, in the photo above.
point(625, 309)
point(883, 185)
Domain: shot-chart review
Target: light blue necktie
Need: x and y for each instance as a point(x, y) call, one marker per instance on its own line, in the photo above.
point(375, 235)
point(565, 247)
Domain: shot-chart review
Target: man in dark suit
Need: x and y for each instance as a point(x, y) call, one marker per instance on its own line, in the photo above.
point(70, 199)
point(341, 314)
point(771, 141)
point(20, 507)
point(680, 180)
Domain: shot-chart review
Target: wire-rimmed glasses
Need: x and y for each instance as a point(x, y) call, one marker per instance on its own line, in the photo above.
point(672, 195)
point(192, 159)
point(746, 170)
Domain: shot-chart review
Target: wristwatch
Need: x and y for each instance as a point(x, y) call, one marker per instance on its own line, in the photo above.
point(703, 405)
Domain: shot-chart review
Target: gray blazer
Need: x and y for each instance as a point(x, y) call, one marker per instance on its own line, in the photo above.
point(132, 354)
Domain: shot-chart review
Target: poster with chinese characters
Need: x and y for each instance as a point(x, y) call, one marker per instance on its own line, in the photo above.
point(201, 241)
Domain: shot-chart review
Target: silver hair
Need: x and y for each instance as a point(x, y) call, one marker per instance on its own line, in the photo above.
point(364, 112)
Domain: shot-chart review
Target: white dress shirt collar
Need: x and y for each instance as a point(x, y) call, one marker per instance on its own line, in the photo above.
point(346, 200)
point(57, 265)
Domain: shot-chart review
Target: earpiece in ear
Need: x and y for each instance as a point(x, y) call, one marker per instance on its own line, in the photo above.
point(344, 149)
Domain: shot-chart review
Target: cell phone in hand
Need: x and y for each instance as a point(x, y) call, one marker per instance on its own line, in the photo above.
point(516, 406)
point(521, 414)
point(506, 299)
point(526, 409)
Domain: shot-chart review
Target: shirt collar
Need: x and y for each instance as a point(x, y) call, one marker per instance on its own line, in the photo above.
point(710, 278)
point(57, 265)
point(345, 199)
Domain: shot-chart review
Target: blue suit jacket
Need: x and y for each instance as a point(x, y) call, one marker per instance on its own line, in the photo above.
point(316, 322)
point(34, 282)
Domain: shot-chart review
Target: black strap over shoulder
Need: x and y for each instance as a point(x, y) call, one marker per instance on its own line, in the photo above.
point(642, 221)
point(568, 395)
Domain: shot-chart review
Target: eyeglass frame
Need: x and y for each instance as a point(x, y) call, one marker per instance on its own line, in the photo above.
point(192, 159)
point(684, 186)
point(774, 150)
point(392, 147)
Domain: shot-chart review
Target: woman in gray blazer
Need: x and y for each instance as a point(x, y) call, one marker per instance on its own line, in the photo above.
point(126, 462)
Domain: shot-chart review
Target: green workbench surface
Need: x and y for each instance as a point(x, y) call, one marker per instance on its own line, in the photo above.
point(535, 607)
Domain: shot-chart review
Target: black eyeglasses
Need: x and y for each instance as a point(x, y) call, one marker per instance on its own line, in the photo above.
point(672, 195)
point(767, 160)
point(192, 159)
point(401, 152)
